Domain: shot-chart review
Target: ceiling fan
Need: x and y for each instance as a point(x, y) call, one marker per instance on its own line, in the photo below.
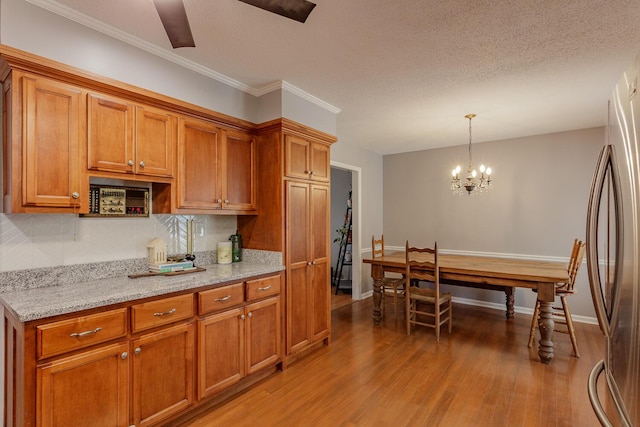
point(174, 16)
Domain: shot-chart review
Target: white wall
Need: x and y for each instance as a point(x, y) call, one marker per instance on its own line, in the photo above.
point(537, 207)
point(367, 203)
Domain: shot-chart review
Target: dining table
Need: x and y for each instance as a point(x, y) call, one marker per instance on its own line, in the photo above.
point(487, 272)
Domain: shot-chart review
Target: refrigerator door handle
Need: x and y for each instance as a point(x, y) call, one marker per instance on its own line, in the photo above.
point(593, 394)
point(606, 169)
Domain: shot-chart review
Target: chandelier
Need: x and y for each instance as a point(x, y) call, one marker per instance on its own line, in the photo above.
point(472, 183)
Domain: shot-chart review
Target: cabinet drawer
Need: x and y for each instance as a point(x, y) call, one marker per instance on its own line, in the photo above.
point(84, 331)
point(161, 312)
point(220, 298)
point(260, 288)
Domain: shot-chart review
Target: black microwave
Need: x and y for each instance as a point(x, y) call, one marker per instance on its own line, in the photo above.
point(118, 201)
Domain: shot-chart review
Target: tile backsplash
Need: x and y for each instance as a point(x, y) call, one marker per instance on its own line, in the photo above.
point(30, 241)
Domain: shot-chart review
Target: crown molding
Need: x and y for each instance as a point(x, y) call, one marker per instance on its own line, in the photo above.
point(103, 28)
point(283, 85)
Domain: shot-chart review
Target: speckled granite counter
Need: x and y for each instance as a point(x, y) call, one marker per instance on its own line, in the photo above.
point(37, 303)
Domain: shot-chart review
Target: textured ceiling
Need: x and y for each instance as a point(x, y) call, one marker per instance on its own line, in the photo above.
point(404, 73)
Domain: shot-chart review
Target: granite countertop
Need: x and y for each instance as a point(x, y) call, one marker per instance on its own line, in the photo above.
point(38, 303)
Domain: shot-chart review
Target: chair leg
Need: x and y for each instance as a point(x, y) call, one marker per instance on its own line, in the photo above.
point(407, 305)
point(534, 324)
point(437, 313)
point(572, 332)
point(395, 302)
point(450, 315)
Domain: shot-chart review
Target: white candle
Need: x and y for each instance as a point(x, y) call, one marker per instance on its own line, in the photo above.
point(224, 252)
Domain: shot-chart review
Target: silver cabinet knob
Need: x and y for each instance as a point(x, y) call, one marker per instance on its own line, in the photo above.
point(137, 351)
point(130, 162)
point(219, 200)
point(141, 164)
point(226, 200)
point(124, 355)
point(242, 317)
point(75, 195)
point(250, 314)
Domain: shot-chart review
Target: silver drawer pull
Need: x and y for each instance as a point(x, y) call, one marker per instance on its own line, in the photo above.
point(223, 299)
point(264, 288)
point(85, 333)
point(165, 313)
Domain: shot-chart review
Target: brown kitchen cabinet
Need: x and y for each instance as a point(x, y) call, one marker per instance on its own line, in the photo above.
point(251, 333)
point(216, 169)
point(307, 249)
point(238, 171)
point(42, 145)
point(162, 374)
point(306, 159)
point(294, 219)
point(92, 386)
point(124, 137)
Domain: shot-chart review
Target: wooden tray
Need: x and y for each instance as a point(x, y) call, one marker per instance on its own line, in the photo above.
point(170, 273)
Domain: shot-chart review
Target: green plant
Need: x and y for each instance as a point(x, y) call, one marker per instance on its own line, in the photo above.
point(342, 231)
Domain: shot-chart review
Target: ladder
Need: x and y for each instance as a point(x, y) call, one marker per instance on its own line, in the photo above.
point(344, 252)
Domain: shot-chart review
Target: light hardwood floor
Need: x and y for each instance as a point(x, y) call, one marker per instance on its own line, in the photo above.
point(482, 374)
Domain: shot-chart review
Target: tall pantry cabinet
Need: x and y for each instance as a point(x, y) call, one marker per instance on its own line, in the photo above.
point(294, 218)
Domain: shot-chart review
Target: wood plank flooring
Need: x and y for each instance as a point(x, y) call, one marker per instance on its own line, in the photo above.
point(482, 374)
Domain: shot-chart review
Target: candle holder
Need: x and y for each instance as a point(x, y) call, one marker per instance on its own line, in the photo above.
point(190, 235)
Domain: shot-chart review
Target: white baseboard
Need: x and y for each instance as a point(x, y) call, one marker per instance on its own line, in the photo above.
point(501, 307)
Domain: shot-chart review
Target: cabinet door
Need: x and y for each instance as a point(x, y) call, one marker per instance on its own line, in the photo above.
point(155, 142)
point(92, 387)
point(296, 151)
point(110, 134)
point(221, 351)
point(320, 163)
point(162, 374)
point(298, 266)
point(264, 346)
point(51, 114)
point(320, 253)
point(198, 183)
point(239, 169)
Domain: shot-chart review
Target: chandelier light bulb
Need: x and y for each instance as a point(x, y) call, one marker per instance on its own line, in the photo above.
point(454, 173)
point(473, 173)
point(481, 168)
point(488, 171)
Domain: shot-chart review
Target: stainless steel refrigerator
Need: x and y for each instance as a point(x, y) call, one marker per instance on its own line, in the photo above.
point(613, 256)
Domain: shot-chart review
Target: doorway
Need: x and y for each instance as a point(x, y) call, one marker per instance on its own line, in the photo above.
point(345, 182)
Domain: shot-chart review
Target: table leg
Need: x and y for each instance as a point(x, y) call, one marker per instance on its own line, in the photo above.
point(509, 301)
point(376, 274)
point(546, 295)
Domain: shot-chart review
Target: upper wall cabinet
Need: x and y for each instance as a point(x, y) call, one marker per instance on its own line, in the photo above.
point(128, 138)
point(198, 153)
point(306, 159)
point(239, 168)
point(216, 168)
point(42, 145)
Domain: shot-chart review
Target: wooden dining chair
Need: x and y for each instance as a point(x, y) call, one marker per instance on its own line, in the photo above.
point(393, 284)
point(562, 314)
point(422, 265)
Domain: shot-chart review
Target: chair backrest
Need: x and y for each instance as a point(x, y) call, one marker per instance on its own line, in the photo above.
point(422, 264)
point(577, 254)
point(377, 246)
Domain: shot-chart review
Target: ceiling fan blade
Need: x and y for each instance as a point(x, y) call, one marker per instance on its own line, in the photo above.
point(175, 21)
point(298, 10)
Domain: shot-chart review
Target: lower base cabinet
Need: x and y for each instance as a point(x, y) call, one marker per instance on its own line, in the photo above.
point(92, 387)
point(239, 341)
point(162, 374)
point(136, 365)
